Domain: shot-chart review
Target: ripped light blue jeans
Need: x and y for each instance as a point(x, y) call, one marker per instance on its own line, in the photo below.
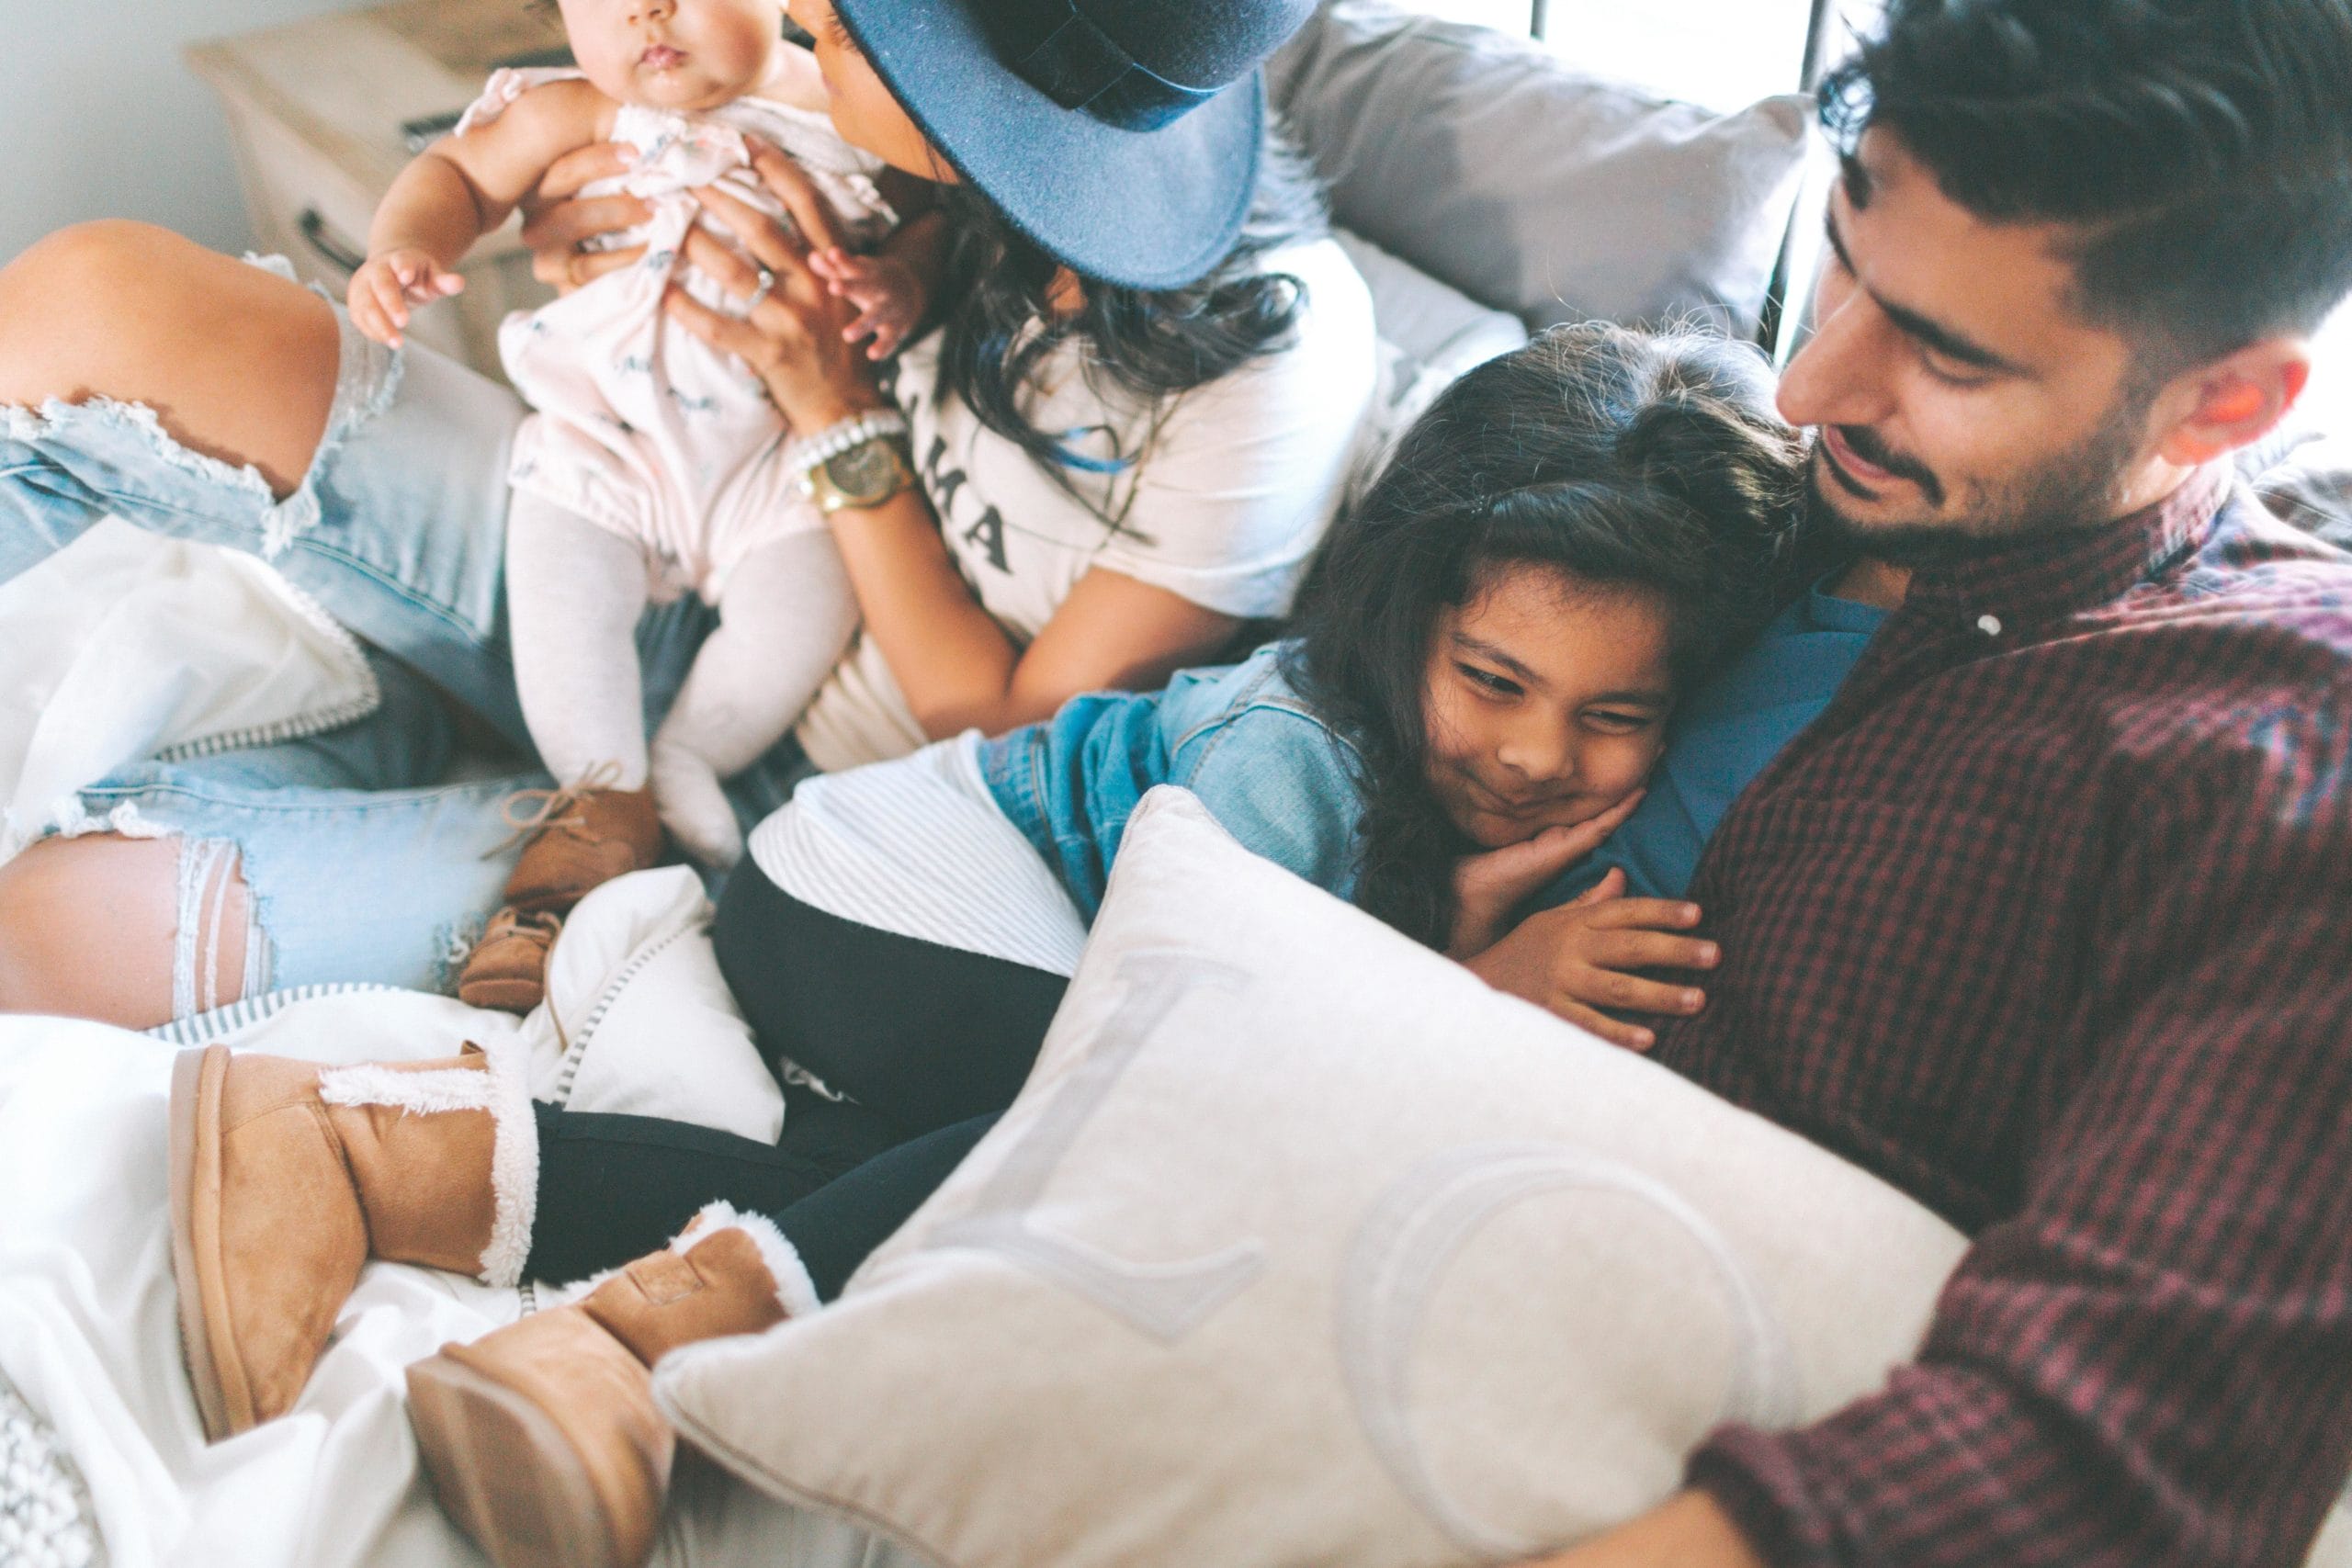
point(364, 860)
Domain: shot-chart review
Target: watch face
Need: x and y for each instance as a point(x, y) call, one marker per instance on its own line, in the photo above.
point(866, 473)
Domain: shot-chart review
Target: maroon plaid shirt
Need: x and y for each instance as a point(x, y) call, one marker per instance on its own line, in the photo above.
point(2047, 920)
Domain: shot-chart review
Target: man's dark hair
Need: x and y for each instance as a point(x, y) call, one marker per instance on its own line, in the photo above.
point(2204, 146)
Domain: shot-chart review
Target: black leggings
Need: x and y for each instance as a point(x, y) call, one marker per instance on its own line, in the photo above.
point(928, 1042)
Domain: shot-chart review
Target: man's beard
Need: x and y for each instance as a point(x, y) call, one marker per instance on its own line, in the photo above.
point(2076, 492)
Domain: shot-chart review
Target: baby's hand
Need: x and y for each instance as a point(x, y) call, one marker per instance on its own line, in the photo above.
point(887, 291)
point(1575, 960)
point(383, 289)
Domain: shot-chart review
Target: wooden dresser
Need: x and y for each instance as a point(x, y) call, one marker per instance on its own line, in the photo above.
point(324, 112)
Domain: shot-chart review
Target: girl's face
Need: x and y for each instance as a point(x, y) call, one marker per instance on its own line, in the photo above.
point(1546, 701)
point(675, 54)
point(863, 110)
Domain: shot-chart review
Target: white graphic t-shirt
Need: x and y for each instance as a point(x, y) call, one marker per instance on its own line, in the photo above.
point(1221, 504)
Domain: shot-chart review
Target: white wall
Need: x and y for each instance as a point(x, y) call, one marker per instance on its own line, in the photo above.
point(98, 118)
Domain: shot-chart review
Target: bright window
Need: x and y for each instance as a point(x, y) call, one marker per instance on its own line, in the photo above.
point(1721, 54)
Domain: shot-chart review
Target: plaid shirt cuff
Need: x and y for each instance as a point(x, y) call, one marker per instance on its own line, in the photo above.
point(1756, 1478)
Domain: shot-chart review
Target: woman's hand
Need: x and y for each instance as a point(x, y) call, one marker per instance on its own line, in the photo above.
point(557, 220)
point(1577, 959)
point(1487, 887)
point(793, 337)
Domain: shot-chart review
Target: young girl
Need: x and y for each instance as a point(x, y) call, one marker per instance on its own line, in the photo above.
point(1489, 654)
point(655, 465)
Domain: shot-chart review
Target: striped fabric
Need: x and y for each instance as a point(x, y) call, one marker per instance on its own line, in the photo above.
point(919, 847)
point(204, 1028)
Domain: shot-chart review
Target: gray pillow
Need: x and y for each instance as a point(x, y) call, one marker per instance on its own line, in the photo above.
point(1430, 335)
point(2307, 482)
point(1533, 187)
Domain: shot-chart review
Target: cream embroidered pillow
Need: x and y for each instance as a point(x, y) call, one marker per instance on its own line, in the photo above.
point(1302, 1246)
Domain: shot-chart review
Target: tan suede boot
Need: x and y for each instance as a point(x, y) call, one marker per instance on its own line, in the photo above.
point(507, 971)
point(575, 840)
point(578, 840)
point(286, 1177)
point(541, 1437)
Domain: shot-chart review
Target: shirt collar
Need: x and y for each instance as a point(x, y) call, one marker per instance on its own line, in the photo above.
point(2046, 576)
point(1825, 612)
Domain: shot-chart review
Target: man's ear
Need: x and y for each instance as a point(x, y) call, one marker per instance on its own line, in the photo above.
point(2233, 401)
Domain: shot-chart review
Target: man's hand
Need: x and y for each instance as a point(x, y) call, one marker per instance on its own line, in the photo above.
point(1573, 960)
point(383, 291)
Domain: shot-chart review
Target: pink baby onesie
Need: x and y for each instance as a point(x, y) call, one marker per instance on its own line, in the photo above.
point(641, 427)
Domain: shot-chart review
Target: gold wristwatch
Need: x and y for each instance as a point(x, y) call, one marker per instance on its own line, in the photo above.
point(865, 475)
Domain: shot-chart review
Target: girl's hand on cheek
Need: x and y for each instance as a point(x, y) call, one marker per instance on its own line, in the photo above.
point(1579, 958)
point(1488, 887)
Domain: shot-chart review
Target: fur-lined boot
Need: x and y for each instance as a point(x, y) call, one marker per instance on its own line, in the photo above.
point(287, 1176)
point(542, 1438)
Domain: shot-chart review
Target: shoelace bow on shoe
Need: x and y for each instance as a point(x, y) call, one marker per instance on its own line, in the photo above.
point(511, 921)
point(552, 804)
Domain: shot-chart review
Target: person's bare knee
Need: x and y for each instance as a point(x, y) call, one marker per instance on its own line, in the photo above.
point(238, 364)
point(130, 932)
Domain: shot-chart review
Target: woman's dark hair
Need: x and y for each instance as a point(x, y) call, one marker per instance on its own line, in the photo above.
point(1142, 346)
point(1627, 460)
point(2202, 148)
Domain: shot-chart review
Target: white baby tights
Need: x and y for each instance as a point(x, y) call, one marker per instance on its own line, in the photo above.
point(575, 593)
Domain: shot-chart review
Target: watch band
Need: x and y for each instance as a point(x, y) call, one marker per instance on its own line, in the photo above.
point(807, 453)
point(864, 475)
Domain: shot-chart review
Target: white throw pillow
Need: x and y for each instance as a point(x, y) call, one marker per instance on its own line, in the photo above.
point(637, 1019)
point(1301, 1245)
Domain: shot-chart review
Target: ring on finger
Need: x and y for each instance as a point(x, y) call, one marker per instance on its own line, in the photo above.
point(766, 287)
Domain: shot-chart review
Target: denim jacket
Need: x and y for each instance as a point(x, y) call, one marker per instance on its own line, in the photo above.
point(1284, 784)
point(1265, 764)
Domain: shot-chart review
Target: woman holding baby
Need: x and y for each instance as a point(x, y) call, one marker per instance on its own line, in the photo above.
point(1126, 436)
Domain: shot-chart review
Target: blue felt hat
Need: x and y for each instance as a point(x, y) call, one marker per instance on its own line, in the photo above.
point(1121, 136)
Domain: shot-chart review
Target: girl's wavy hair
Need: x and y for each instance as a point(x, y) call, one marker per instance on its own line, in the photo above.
point(1145, 346)
point(1624, 460)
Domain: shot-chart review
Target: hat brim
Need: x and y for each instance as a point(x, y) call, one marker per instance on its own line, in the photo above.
point(1137, 209)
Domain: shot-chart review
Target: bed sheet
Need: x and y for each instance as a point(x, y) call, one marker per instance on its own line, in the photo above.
point(88, 1333)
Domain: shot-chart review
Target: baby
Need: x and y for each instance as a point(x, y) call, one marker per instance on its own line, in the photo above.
point(653, 465)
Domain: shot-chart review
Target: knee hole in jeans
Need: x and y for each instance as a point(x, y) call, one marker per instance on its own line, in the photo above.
point(219, 954)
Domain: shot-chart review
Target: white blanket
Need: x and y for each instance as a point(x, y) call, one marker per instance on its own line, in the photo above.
point(126, 645)
point(638, 1021)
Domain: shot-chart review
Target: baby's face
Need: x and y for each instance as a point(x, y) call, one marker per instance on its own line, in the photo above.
point(675, 54)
